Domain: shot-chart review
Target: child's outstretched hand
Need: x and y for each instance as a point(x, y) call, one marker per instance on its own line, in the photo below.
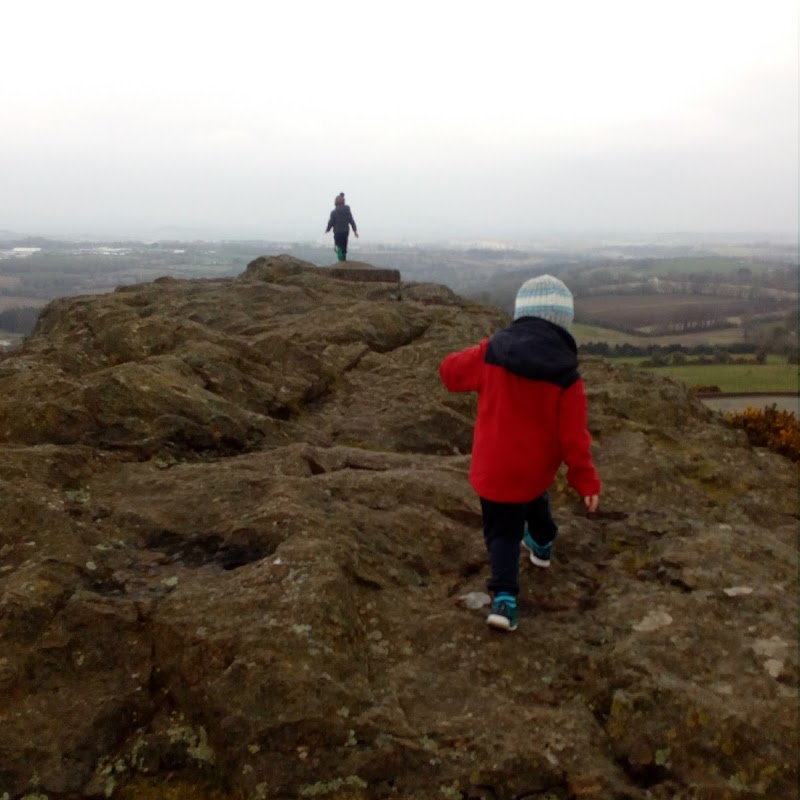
point(591, 503)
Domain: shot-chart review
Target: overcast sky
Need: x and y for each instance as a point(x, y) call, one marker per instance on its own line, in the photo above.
point(437, 118)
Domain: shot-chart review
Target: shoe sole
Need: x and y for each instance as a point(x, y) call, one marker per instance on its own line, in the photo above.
point(539, 562)
point(500, 623)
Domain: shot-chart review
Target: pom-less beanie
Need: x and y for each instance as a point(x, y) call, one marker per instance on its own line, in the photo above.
point(546, 297)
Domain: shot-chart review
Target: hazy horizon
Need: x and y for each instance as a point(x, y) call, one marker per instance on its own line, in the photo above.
point(446, 121)
point(544, 240)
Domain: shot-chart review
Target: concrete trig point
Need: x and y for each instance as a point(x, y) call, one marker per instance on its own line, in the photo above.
point(356, 271)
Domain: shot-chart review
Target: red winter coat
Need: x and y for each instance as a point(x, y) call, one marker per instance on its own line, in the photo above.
point(531, 411)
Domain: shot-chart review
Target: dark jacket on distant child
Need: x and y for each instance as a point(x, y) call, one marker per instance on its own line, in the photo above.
point(340, 220)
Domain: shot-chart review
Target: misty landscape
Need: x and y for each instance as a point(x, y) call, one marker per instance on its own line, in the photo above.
point(680, 303)
point(241, 555)
point(723, 293)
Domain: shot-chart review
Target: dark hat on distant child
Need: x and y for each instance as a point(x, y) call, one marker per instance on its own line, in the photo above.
point(546, 297)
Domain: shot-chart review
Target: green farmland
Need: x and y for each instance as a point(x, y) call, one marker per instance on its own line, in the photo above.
point(777, 376)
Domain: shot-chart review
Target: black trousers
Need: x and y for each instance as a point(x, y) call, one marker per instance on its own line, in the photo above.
point(340, 240)
point(503, 526)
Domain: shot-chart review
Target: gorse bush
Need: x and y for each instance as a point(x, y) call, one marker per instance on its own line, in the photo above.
point(769, 427)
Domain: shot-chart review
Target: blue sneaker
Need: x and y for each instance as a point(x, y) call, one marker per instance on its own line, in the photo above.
point(503, 616)
point(539, 553)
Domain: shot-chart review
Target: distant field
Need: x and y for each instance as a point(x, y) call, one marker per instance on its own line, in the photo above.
point(671, 266)
point(593, 333)
point(774, 377)
point(644, 311)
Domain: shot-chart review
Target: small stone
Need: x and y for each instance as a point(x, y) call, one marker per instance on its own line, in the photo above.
point(734, 591)
point(774, 647)
point(476, 600)
point(773, 667)
point(653, 621)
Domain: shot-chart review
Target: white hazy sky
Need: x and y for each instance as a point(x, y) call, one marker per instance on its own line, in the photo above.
point(437, 118)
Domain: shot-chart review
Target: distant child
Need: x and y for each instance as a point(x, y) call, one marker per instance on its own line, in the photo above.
point(341, 220)
point(531, 417)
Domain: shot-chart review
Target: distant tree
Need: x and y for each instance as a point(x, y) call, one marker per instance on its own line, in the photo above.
point(721, 356)
point(596, 348)
point(778, 333)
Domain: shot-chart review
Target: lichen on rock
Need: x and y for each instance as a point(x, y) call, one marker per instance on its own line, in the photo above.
point(240, 558)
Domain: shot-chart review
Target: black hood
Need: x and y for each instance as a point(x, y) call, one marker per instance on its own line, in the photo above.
point(534, 348)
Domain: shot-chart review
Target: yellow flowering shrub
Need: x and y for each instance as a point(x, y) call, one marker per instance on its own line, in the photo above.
point(770, 427)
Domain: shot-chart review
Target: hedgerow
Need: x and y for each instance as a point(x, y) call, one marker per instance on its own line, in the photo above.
point(770, 427)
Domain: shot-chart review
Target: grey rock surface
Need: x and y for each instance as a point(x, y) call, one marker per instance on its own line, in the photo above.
point(236, 535)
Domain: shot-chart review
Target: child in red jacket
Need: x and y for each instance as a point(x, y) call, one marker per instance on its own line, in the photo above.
point(531, 418)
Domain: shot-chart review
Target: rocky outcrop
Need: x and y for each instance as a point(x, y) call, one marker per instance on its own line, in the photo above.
point(239, 557)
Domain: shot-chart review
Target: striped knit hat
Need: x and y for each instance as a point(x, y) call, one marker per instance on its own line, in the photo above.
point(546, 297)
